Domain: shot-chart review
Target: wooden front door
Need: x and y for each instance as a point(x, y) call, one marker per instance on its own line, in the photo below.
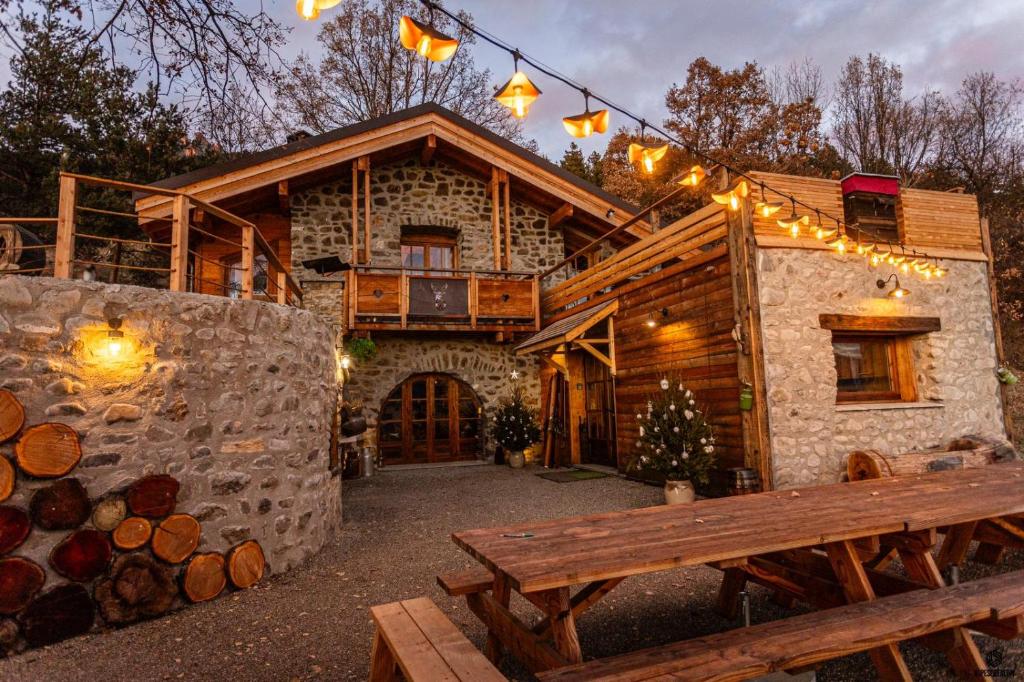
point(599, 437)
point(430, 418)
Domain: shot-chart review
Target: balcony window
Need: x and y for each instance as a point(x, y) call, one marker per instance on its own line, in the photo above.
point(422, 252)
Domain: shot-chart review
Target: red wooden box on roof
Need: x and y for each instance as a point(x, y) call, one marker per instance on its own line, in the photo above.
point(869, 182)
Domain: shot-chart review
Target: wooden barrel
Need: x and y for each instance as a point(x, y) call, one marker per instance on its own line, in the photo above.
point(14, 254)
point(743, 481)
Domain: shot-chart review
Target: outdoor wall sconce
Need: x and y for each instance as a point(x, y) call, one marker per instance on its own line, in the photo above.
point(346, 361)
point(114, 344)
point(426, 40)
point(897, 291)
point(652, 321)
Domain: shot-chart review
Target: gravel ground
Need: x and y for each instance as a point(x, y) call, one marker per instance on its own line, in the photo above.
point(313, 623)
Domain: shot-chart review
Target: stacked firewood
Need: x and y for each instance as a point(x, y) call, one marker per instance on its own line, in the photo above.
point(132, 547)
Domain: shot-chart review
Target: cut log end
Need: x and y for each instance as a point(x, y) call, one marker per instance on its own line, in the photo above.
point(20, 580)
point(109, 513)
point(132, 533)
point(82, 556)
point(246, 564)
point(15, 525)
point(176, 538)
point(62, 505)
point(7, 478)
point(48, 450)
point(204, 577)
point(62, 612)
point(12, 415)
point(862, 465)
point(153, 496)
point(138, 587)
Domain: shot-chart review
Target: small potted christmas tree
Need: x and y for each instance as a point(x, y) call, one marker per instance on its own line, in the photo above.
point(515, 426)
point(676, 441)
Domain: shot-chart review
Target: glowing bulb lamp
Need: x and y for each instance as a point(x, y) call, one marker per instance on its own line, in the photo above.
point(346, 361)
point(766, 209)
point(838, 243)
point(692, 177)
point(644, 157)
point(518, 94)
point(897, 290)
point(821, 232)
point(426, 40)
point(115, 338)
point(733, 197)
point(793, 222)
point(652, 321)
point(310, 9)
point(587, 123)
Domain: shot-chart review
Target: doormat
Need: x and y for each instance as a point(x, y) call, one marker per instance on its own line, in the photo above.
point(572, 475)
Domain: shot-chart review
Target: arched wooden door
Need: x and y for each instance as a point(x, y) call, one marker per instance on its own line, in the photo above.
point(430, 418)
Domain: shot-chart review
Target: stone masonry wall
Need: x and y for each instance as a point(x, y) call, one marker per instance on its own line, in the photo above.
point(232, 398)
point(408, 193)
point(955, 367)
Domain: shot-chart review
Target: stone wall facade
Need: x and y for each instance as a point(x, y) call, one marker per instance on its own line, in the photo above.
point(955, 367)
point(232, 398)
point(409, 193)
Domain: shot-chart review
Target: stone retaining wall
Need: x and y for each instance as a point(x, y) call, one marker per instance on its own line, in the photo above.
point(232, 398)
point(955, 367)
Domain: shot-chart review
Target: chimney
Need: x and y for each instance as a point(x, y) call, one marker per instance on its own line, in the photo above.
point(297, 135)
point(869, 201)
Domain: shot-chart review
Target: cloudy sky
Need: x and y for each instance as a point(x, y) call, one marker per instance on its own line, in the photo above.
point(632, 51)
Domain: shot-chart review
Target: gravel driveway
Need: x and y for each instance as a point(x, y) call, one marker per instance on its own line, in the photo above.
point(313, 623)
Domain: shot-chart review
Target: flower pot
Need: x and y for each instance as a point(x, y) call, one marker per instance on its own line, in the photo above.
point(679, 492)
point(353, 426)
point(516, 459)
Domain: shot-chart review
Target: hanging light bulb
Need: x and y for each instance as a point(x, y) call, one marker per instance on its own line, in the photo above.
point(692, 177)
point(765, 208)
point(864, 249)
point(733, 197)
point(793, 222)
point(426, 40)
point(939, 272)
point(519, 92)
point(310, 9)
point(644, 157)
point(838, 243)
point(587, 123)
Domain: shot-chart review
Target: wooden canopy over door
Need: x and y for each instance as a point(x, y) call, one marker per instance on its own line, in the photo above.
point(430, 418)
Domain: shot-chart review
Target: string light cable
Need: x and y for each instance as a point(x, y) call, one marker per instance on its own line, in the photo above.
point(926, 263)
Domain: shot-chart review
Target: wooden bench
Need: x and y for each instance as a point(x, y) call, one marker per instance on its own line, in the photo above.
point(471, 581)
point(413, 636)
point(813, 638)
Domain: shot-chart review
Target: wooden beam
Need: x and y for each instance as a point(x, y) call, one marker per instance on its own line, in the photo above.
point(560, 215)
point(993, 295)
point(367, 219)
point(559, 366)
point(283, 200)
point(611, 344)
point(577, 404)
point(429, 147)
point(508, 226)
point(880, 324)
point(355, 212)
point(179, 244)
point(604, 359)
point(248, 260)
point(495, 219)
point(64, 253)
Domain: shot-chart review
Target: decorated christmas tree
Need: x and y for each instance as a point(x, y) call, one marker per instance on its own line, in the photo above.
point(675, 437)
point(515, 422)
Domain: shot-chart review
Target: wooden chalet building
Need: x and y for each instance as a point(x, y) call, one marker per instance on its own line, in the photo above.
point(447, 233)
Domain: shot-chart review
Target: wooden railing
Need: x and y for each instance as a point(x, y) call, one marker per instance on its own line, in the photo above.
point(383, 297)
point(67, 262)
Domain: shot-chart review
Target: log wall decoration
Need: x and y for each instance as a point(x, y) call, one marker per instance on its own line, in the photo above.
point(153, 496)
point(12, 415)
point(62, 612)
point(63, 505)
point(109, 513)
point(15, 526)
point(132, 533)
point(48, 450)
point(83, 555)
point(6, 478)
point(204, 577)
point(20, 580)
point(246, 564)
point(176, 538)
point(138, 587)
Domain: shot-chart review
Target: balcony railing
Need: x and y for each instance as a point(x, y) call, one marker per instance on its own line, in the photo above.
point(381, 298)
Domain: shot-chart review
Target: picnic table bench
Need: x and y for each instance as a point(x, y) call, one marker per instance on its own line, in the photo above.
point(813, 542)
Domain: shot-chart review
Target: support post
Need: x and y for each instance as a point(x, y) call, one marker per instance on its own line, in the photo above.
point(367, 222)
point(355, 212)
point(64, 253)
point(179, 243)
point(282, 287)
point(495, 219)
point(248, 259)
point(508, 225)
point(986, 243)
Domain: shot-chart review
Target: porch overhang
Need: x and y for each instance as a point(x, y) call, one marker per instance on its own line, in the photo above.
point(569, 333)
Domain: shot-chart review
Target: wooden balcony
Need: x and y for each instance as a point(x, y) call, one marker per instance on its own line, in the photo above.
point(393, 298)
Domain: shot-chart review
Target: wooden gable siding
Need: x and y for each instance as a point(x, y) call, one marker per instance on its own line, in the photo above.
point(826, 195)
point(940, 219)
point(210, 266)
point(693, 343)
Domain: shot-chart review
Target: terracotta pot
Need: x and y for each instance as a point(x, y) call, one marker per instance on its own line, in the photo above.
point(516, 459)
point(679, 492)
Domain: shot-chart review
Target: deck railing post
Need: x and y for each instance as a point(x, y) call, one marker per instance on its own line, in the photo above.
point(474, 298)
point(64, 252)
point(536, 302)
point(403, 298)
point(282, 287)
point(179, 243)
point(248, 259)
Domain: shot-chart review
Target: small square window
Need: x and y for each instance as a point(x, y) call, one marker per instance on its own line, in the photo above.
point(873, 368)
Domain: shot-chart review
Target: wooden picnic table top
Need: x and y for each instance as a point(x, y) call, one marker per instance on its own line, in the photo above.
point(573, 551)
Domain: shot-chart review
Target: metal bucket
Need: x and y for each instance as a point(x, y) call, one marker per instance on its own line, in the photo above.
point(743, 481)
point(366, 464)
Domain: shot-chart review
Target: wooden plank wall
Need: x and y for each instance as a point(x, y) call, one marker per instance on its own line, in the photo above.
point(276, 229)
point(826, 195)
point(693, 343)
point(939, 219)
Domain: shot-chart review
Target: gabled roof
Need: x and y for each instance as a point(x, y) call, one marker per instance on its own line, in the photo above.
point(223, 180)
point(568, 329)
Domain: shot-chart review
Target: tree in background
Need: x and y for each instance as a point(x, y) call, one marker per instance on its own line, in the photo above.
point(586, 167)
point(68, 108)
point(366, 73)
point(876, 128)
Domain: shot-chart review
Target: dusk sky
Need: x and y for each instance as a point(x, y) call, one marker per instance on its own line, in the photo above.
point(633, 51)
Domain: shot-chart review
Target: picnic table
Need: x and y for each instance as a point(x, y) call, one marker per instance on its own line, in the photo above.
point(825, 544)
